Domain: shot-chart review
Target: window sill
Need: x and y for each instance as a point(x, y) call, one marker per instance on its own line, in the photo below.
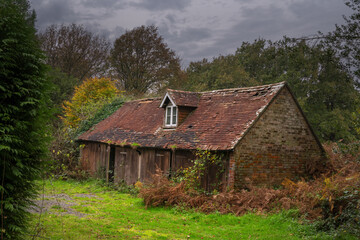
point(169, 128)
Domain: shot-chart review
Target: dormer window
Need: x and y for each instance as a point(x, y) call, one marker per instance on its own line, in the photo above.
point(171, 115)
point(177, 106)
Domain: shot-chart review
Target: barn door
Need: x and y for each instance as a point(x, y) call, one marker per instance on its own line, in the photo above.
point(111, 164)
point(120, 161)
point(162, 161)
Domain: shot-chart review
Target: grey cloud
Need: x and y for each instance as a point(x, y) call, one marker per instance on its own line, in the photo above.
point(259, 22)
point(158, 5)
point(321, 15)
point(170, 18)
point(50, 12)
point(194, 34)
point(109, 4)
point(186, 42)
point(300, 19)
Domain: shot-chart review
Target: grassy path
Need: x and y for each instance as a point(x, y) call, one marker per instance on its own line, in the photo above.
point(87, 210)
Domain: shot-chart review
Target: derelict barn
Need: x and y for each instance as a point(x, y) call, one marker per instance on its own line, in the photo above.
point(260, 131)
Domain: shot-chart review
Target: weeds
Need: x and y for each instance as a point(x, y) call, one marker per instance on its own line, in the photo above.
point(332, 200)
point(92, 210)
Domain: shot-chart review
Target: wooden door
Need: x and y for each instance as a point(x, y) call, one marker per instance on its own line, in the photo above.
point(119, 169)
point(162, 161)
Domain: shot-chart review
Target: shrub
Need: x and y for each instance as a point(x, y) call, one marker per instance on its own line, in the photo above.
point(65, 150)
point(195, 177)
point(88, 98)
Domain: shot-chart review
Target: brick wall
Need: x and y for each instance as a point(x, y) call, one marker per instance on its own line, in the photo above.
point(183, 113)
point(279, 145)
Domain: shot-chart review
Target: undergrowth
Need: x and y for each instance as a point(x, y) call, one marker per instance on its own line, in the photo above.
point(93, 210)
point(331, 201)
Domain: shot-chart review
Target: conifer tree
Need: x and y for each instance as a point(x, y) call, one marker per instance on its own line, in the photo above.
point(23, 115)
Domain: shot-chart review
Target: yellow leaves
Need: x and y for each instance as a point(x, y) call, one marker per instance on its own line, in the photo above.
point(89, 97)
point(138, 185)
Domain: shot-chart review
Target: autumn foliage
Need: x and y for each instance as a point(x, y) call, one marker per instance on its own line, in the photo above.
point(333, 198)
point(88, 98)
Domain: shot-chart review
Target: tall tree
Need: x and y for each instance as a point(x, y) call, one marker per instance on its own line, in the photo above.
point(143, 62)
point(23, 112)
point(346, 39)
point(222, 72)
point(75, 51)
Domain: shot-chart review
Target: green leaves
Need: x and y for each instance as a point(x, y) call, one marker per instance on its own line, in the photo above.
point(100, 115)
point(23, 115)
point(143, 62)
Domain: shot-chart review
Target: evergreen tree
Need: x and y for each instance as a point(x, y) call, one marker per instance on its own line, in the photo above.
point(23, 115)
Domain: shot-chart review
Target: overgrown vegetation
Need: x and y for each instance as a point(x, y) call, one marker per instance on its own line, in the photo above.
point(91, 210)
point(196, 176)
point(88, 98)
point(332, 200)
point(64, 149)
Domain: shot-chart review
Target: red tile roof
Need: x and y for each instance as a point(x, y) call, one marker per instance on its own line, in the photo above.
point(183, 98)
point(220, 120)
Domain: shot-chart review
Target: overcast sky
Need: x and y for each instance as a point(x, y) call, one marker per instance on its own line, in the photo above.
point(197, 29)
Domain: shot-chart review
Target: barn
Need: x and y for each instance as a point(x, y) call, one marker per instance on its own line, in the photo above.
point(261, 133)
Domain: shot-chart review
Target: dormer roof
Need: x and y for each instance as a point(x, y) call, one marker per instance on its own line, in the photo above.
point(181, 98)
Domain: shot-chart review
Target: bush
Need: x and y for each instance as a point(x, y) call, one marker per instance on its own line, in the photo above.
point(65, 151)
point(100, 115)
point(88, 98)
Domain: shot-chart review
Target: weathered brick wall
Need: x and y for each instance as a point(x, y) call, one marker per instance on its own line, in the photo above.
point(279, 145)
point(183, 112)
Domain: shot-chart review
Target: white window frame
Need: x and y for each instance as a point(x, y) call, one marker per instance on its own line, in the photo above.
point(173, 111)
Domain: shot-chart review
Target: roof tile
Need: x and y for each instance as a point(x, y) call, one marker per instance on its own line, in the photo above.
point(218, 123)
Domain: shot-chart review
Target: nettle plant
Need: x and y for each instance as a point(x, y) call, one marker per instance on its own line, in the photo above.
point(204, 160)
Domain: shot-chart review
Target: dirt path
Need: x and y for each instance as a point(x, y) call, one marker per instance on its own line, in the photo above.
point(61, 203)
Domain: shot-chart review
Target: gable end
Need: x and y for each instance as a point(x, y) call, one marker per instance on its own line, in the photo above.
point(164, 102)
point(280, 144)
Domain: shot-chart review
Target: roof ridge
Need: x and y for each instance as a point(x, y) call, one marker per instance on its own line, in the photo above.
point(246, 88)
point(145, 99)
point(181, 91)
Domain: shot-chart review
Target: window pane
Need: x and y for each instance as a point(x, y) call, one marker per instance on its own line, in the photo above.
point(174, 116)
point(168, 115)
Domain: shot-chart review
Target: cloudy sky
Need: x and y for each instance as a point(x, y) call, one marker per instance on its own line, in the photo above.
point(197, 29)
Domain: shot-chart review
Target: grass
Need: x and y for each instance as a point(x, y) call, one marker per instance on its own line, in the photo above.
point(88, 210)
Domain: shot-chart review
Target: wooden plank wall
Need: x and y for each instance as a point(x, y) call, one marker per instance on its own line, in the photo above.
point(182, 159)
point(132, 165)
point(94, 158)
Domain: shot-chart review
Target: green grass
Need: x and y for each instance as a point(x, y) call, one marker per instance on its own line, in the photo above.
point(107, 214)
